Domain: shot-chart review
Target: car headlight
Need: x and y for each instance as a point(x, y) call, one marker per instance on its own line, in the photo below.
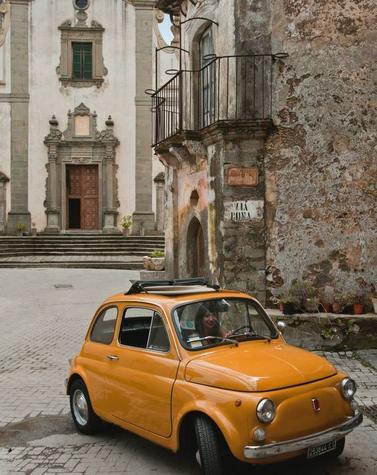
point(266, 410)
point(348, 388)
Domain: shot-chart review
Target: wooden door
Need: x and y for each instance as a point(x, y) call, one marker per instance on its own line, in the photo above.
point(82, 197)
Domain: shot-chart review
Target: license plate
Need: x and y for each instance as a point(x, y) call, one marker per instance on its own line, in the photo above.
point(321, 449)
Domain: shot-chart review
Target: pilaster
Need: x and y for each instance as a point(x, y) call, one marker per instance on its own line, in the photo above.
point(19, 45)
point(143, 217)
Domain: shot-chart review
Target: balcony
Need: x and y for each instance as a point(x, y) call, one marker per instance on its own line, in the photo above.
point(232, 90)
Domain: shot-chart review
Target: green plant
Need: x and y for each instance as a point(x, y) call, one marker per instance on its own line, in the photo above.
point(126, 222)
point(304, 295)
point(157, 253)
point(20, 227)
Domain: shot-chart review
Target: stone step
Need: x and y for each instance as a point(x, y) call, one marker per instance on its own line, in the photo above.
point(66, 250)
point(70, 252)
point(83, 247)
point(74, 264)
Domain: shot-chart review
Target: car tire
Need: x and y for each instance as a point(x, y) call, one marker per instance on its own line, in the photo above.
point(85, 419)
point(209, 454)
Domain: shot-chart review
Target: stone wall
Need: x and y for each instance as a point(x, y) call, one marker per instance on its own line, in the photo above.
point(321, 163)
point(316, 164)
point(330, 332)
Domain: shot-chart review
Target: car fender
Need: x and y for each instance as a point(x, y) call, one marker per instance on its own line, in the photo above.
point(224, 420)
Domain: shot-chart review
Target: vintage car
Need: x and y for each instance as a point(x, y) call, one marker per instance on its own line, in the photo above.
point(190, 366)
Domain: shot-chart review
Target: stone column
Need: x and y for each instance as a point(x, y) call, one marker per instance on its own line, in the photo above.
point(52, 211)
point(160, 201)
point(19, 45)
point(110, 212)
point(3, 202)
point(143, 216)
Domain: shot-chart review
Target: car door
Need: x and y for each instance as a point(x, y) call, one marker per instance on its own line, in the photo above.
point(142, 377)
point(96, 353)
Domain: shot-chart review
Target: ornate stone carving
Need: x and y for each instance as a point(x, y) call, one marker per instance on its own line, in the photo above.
point(71, 148)
point(81, 32)
point(4, 20)
point(55, 134)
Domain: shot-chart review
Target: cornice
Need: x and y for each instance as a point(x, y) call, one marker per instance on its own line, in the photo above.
point(20, 2)
point(14, 97)
point(143, 4)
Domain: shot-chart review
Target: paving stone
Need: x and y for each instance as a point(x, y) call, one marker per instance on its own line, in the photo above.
point(46, 326)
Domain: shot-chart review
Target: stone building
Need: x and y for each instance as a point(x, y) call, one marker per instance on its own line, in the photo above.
point(268, 135)
point(75, 123)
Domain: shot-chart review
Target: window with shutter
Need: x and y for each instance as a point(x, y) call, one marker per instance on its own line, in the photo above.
point(82, 60)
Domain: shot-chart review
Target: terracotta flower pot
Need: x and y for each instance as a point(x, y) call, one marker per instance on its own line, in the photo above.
point(337, 307)
point(358, 308)
point(326, 307)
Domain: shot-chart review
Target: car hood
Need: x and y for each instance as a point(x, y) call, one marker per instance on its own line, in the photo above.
point(257, 366)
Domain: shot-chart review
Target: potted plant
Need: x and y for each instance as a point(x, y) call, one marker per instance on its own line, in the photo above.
point(20, 229)
point(372, 294)
point(286, 303)
point(126, 223)
point(324, 300)
point(305, 296)
point(338, 303)
point(358, 304)
point(155, 261)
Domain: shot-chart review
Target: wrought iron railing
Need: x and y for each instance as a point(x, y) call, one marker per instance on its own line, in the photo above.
point(227, 88)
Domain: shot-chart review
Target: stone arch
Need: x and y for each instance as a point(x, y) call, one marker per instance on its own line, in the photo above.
point(195, 249)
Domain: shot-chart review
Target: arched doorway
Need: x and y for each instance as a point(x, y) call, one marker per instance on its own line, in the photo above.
point(195, 249)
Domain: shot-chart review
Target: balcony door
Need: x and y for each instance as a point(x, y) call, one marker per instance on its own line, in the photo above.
point(207, 79)
point(82, 197)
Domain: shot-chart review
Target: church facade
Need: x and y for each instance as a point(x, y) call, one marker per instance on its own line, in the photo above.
point(75, 123)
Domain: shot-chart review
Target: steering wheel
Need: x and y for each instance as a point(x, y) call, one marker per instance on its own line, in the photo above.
point(237, 330)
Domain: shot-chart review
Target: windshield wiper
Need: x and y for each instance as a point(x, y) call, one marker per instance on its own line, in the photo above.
point(206, 338)
point(252, 335)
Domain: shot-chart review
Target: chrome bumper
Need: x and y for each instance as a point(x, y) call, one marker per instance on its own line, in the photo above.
point(293, 445)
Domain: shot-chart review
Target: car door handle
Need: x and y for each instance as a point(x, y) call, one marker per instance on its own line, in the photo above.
point(112, 357)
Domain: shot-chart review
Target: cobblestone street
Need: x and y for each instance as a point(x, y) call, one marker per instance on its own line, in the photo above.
point(44, 314)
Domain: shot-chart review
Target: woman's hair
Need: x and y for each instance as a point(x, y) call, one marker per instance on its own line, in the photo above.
point(201, 313)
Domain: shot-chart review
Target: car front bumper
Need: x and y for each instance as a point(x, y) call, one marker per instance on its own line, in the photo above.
point(312, 440)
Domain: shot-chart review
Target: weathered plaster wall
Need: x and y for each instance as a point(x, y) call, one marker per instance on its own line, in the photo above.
point(191, 177)
point(321, 165)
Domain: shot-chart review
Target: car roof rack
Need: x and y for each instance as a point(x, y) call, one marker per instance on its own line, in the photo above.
point(172, 287)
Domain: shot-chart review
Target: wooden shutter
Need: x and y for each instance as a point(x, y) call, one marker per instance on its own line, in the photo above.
point(82, 61)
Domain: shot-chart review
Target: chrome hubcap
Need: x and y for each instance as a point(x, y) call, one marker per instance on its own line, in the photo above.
point(80, 407)
point(198, 458)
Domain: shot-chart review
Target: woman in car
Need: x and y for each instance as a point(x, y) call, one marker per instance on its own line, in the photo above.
point(207, 323)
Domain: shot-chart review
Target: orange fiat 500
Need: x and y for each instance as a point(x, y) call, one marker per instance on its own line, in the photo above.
point(188, 365)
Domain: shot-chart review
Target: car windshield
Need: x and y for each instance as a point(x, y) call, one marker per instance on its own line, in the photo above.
point(221, 321)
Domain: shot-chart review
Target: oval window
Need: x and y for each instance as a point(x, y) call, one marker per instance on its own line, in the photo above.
point(81, 4)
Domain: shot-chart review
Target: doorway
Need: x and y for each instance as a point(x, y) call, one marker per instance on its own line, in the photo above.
point(82, 197)
point(195, 249)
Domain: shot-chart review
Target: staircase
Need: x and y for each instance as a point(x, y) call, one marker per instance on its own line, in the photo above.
point(78, 250)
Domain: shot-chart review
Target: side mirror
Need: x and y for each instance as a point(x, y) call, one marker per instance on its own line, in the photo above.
point(281, 326)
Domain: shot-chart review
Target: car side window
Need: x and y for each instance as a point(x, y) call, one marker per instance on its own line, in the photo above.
point(104, 326)
point(158, 338)
point(143, 328)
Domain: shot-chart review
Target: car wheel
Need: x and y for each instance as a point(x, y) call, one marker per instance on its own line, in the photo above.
point(82, 412)
point(209, 453)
